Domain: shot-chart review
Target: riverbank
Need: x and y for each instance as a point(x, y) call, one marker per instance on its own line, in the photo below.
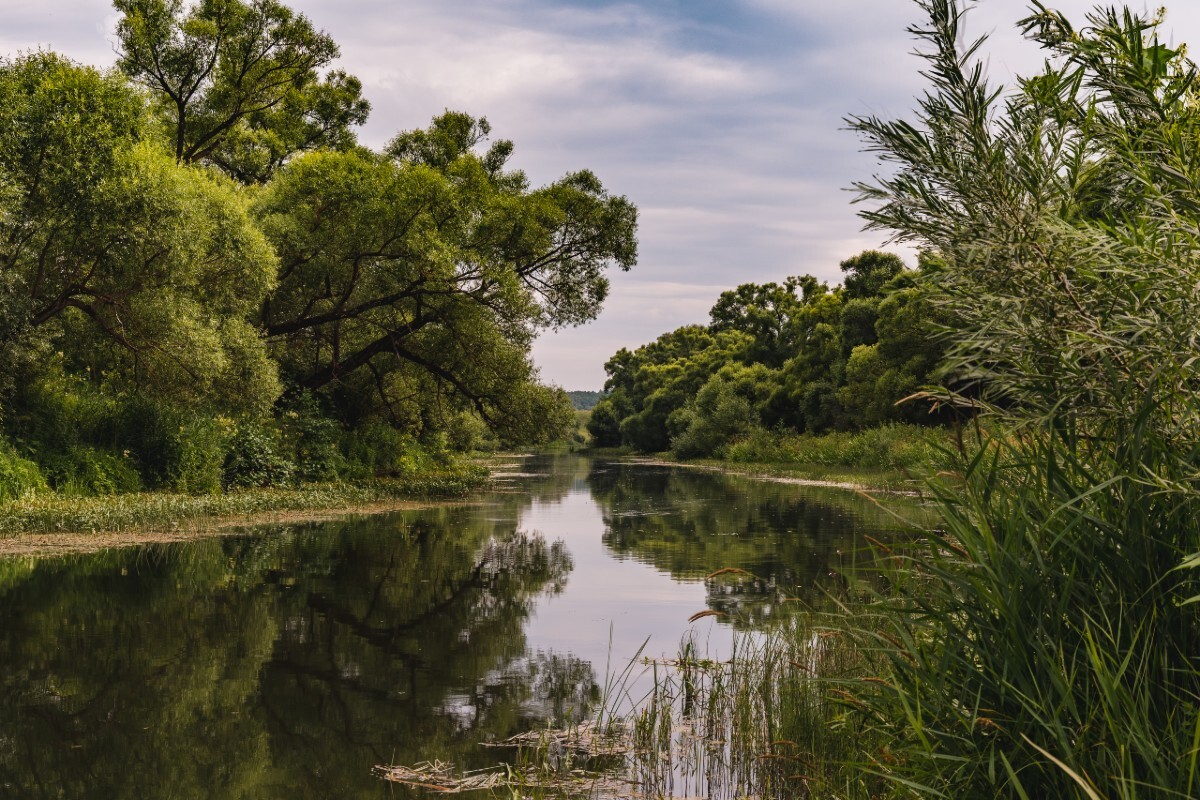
point(855, 480)
point(889, 458)
point(54, 523)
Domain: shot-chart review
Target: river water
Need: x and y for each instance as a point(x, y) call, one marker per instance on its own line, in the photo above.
point(290, 661)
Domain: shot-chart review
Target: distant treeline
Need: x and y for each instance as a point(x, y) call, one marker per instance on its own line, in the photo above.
point(793, 357)
point(585, 401)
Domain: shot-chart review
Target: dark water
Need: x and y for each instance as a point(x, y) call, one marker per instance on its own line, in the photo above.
point(288, 662)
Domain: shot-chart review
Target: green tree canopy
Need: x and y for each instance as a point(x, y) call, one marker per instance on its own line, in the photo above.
point(433, 269)
point(238, 84)
point(138, 268)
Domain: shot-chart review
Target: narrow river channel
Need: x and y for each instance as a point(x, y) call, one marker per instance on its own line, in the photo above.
point(290, 661)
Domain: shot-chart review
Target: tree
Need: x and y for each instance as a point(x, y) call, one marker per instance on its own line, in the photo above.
point(237, 84)
point(429, 271)
point(869, 272)
point(765, 312)
point(141, 271)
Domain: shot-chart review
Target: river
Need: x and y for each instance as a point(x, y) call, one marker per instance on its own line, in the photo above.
point(289, 661)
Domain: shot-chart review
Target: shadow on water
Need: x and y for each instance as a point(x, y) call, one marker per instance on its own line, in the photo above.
point(290, 661)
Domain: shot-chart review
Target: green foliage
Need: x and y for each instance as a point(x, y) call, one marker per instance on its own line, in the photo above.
point(19, 477)
point(375, 448)
point(1042, 646)
point(724, 409)
point(198, 450)
point(422, 277)
point(894, 446)
point(604, 424)
point(152, 303)
point(82, 470)
point(869, 272)
point(255, 460)
point(156, 266)
point(312, 440)
point(821, 360)
point(236, 84)
point(585, 401)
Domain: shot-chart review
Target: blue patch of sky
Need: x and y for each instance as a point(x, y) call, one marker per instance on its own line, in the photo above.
point(721, 27)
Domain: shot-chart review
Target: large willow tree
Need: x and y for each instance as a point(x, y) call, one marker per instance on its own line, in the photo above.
point(137, 270)
point(419, 277)
point(196, 256)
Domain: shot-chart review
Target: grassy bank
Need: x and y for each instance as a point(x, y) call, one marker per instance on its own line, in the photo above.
point(894, 457)
point(146, 510)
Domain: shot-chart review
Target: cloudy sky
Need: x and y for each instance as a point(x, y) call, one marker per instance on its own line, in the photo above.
point(721, 119)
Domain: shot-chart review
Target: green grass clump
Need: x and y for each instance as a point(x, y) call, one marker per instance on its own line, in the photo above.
point(1040, 642)
point(50, 512)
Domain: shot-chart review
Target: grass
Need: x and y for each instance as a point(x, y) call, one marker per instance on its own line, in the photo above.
point(891, 457)
point(894, 447)
point(894, 457)
point(1040, 643)
point(54, 513)
point(765, 722)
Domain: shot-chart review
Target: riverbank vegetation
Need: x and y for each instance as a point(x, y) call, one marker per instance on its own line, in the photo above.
point(787, 372)
point(209, 284)
point(1041, 640)
point(158, 511)
point(1047, 630)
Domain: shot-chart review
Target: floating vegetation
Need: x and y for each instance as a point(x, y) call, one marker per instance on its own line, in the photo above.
point(441, 777)
point(590, 739)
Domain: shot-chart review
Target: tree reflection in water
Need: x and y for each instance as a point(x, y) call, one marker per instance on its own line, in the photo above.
point(279, 665)
point(288, 662)
point(773, 543)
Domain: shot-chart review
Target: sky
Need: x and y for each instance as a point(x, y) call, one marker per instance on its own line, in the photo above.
point(722, 120)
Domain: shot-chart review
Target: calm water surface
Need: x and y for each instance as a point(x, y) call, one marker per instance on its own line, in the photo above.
point(288, 662)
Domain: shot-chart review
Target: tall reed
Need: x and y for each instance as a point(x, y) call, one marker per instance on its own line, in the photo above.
point(1040, 643)
point(768, 721)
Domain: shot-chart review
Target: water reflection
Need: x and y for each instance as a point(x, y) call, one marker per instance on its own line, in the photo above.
point(773, 543)
point(288, 662)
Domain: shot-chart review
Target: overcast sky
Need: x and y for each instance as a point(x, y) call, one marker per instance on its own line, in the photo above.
point(722, 120)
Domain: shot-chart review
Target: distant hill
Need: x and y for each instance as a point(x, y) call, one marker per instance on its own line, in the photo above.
point(585, 401)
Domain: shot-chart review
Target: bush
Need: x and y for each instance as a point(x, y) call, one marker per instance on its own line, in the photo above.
point(19, 477)
point(83, 470)
point(254, 460)
point(378, 449)
point(201, 449)
point(177, 451)
point(312, 440)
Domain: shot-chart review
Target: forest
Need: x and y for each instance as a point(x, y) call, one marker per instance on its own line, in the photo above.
point(207, 282)
point(795, 356)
